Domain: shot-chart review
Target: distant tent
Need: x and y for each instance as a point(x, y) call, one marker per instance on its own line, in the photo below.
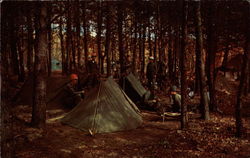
point(134, 89)
point(56, 65)
point(54, 91)
point(106, 109)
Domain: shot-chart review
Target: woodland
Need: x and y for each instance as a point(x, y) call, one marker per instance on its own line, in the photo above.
point(204, 45)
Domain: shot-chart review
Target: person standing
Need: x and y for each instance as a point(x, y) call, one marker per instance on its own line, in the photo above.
point(151, 72)
point(93, 71)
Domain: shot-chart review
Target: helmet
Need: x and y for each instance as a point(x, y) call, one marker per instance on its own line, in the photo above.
point(151, 58)
point(173, 88)
point(73, 77)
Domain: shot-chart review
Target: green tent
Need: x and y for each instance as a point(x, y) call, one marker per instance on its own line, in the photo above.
point(134, 89)
point(106, 109)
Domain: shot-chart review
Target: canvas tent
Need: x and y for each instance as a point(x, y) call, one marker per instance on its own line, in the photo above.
point(106, 109)
point(54, 90)
point(134, 89)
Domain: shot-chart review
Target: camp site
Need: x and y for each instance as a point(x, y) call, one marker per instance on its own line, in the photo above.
point(125, 79)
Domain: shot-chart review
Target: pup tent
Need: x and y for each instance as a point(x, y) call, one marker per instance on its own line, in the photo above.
point(54, 90)
point(106, 109)
point(134, 89)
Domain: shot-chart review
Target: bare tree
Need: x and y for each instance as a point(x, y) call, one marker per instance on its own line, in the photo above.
point(39, 104)
point(238, 106)
point(200, 58)
point(183, 60)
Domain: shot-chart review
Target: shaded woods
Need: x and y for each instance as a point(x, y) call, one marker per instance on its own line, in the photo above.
point(198, 43)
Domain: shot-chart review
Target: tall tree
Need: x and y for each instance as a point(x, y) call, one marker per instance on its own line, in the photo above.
point(183, 60)
point(120, 36)
point(211, 30)
point(78, 36)
point(238, 106)
point(200, 58)
point(135, 25)
point(64, 63)
point(13, 42)
point(85, 33)
point(49, 38)
point(30, 53)
point(39, 104)
point(99, 32)
point(6, 113)
point(107, 42)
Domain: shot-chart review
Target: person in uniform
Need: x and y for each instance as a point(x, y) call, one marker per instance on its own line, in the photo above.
point(175, 99)
point(73, 94)
point(151, 72)
point(93, 71)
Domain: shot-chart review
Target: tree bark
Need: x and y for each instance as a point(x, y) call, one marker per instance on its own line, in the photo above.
point(246, 58)
point(39, 104)
point(204, 99)
point(85, 33)
point(7, 142)
point(143, 49)
point(183, 59)
point(107, 42)
point(13, 43)
point(120, 36)
point(211, 30)
point(49, 39)
point(135, 40)
point(149, 38)
point(30, 54)
point(78, 36)
point(99, 40)
point(64, 63)
point(20, 44)
point(170, 55)
point(68, 42)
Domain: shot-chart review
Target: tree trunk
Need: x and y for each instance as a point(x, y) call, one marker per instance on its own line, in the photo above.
point(68, 42)
point(246, 58)
point(49, 39)
point(13, 42)
point(183, 60)
point(99, 40)
point(211, 56)
point(20, 44)
point(107, 42)
point(170, 55)
point(64, 63)
point(30, 54)
point(149, 38)
point(78, 36)
point(85, 33)
point(120, 37)
point(135, 41)
point(7, 141)
point(200, 57)
point(155, 45)
point(39, 104)
point(197, 73)
point(143, 50)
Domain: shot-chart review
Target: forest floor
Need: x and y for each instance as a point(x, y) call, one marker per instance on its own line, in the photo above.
point(153, 139)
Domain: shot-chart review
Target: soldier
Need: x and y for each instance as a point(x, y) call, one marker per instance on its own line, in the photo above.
point(175, 99)
point(93, 71)
point(151, 72)
point(73, 95)
point(161, 73)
